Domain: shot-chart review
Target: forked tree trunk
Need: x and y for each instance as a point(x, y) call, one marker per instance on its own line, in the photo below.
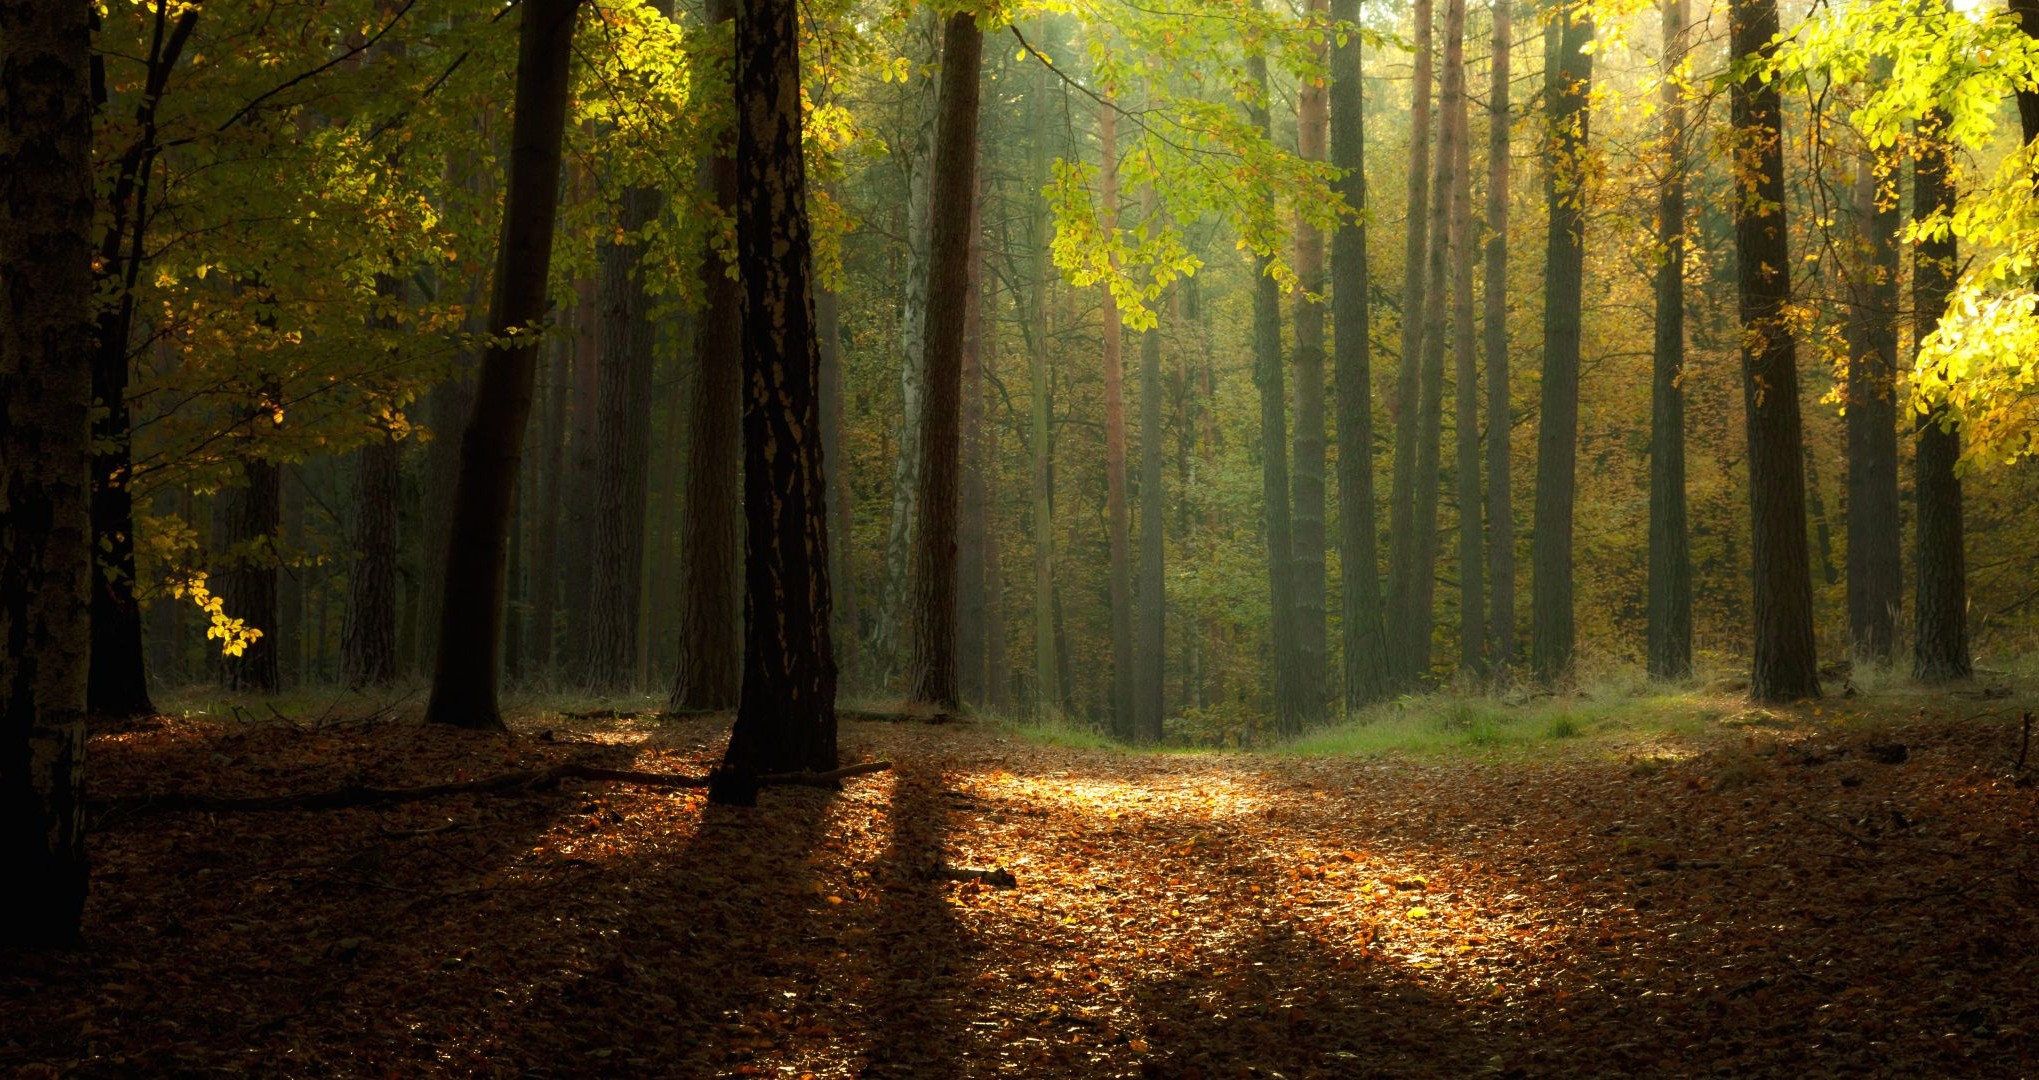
point(786, 719)
point(1570, 87)
point(1402, 538)
point(1500, 405)
point(1312, 122)
point(1786, 663)
point(1366, 662)
point(471, 614)
point(46, 394)
point(711, 661)
point(1670, 587)
point(1940, 626)
point(953, 191)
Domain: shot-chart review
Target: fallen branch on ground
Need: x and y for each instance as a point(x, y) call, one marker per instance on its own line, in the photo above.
point(521, 780)
point(897, 716)
point(999, 878)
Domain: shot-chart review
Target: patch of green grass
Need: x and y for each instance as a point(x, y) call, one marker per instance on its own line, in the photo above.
point(1060, 731)
point(1562, 726)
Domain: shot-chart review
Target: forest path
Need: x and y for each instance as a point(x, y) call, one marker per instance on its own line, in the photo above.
point(1770, 902)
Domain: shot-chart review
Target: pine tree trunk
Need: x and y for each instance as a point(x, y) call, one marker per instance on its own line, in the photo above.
point(1366, 661)
point(841, 567)
point(882, 653)
point(786, 719)
point(1940, 626)
point(47, 347)
point(248, 586)
point(550, 459)
point(289, 584)
point(711, 613)
point(1118, 532)
point(953, 192)
point(1570, 86)
point(368, 641)
point(1404, 651)
point(1048, 687)
point(1786, 663)
point(471, 613)
point(1151, 650)
point(1500, 405)
point(1875, 524)
point(1472, 583)
point(972, 603)
point(1274, 466)
point(516, 586)
point(996, 677)
point(622, 448)
point(1419, 616)
point(1669, 615)
point(1312, 124)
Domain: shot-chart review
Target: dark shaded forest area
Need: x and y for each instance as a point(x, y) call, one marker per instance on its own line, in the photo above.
point(854, 538)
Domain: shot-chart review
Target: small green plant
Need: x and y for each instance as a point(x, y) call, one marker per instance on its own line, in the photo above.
point(1563, 726)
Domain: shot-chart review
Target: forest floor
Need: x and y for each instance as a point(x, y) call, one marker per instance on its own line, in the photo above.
point(1842, 891)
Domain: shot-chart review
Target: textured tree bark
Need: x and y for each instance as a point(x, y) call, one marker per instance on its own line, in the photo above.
point(1312, 123)
point(1418, 616)
point(973, 520)
point(1365, 648)
point(47, 347)
point(471, 613)
point(1786, 662)
point(996, 676)
point(711, 613)
point(544, 572)
point(1940, 619)
point(1402, 550)
point(516, 583)
point(841, 572)
point(1151, 650)
point(368, 641)
point(1570, 86)
point(953, 193)
point(622, 448)
point(883, 647)
point(1274, 465)
point(1500, 405)
point(577, 576)
point(1875, 525)
point(1118, 532)
point(1472, 583)
point(248, 585)
point(785, 721)
point(1669, 614)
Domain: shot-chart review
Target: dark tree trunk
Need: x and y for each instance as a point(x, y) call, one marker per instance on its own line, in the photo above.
point(786, 718)
point(1557, 438)
point(1312, 122)
point(1048, 671)
point(711, 662)
point(1365, 648)
point(1274, 467)
point(1500, 406)
point(1670, 586)
point(248, 586)
point(577, 576)
point(841, 572)
point(996, 678)
point(1404, 666)
point(368, 643)
point(952, 191)
point(471, 615)
point(1472, 582)
point(544, 574)
point(622, 448)
point(1418, 616)
point(1151, 648)
point(1940, 626)
point(1118, 533)
point(46, 393)
point(1786, 666)
point(1875, 526)
point(289, 582)
point(972, 525)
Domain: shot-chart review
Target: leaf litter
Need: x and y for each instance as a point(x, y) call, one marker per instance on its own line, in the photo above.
point(1793, 901)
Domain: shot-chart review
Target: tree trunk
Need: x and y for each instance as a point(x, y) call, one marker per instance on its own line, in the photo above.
point(1557, 439)
point(46, 393)
point(1875, 524)
point(471, 613)
point(996, 679)
point(1118, 533)
point(248, 586)
point(1500, 406)
point(1670, 587)
point(544, 573)
point(882, 653)
point(1366, 661)
point(622, 448)
point(711, 665)
point(1786, 664)
point(972, 524)
point(953, 190)
point(786, 719)
point(1274, 466)
point(289, 583)
point(1418, 616)
point(841, 572)
point(1404, 667)
point(1150, 651)
point(368, 642)
point(1472, 584)
point(1940, 627)
point(1047, 671)
point(1312, 123)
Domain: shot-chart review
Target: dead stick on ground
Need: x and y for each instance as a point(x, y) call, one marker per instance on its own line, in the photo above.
point(523, 779)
